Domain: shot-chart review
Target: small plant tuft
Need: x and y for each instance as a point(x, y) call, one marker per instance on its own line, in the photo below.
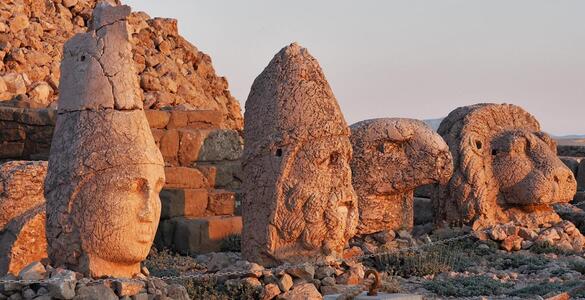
point(467, 286)
point(231, 243)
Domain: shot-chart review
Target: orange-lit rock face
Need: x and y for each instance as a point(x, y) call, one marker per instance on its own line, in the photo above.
point(317, 204)
point(506, 168)
point(299, 204)
point(528, 171)
point(22, 215)
point(105, 170)
point(392, 157)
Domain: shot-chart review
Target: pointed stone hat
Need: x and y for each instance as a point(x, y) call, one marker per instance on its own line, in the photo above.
point(291, 102)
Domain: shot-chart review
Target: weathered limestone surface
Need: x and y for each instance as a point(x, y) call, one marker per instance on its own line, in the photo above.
point(506, 169)
point(105, 171)
point(299, 204)
point(391, 158)
point(173, 73)
point(22, 216)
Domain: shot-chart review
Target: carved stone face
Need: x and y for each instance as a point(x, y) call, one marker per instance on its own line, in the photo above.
point(118, 213)
point(318, 185)
point(392, 157)
point(506, 169)
point(528, 171)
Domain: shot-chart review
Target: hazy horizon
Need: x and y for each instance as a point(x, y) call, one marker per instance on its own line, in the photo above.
point(416, 59)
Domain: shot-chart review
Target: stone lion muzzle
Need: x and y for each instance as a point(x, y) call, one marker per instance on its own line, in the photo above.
point(506, 169)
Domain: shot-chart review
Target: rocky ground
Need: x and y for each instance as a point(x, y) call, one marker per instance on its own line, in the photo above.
point(466, 268)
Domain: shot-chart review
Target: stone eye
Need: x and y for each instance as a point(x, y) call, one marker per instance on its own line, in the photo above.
point(334, 158)
point(278, 152)
point(478, 145)
point(494, 151)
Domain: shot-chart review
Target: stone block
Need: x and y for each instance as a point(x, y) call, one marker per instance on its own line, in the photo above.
point(204, 118)
point(8, 113)
point(183, 202)
point(222, 144)
point(203, 235)
point(11, 149)
point(164, 234)
point(221, 202)
point(44, 117)
point(12, 134)
point(169, 146)
point(178, 119)
point(189, 178)
point(190, 144)
point(157, 118)
point(229, 174)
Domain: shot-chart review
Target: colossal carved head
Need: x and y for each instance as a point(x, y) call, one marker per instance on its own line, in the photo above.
point(505, 167)
point(392, 157)
point(395, 155)
point(299, 202)
point(105, 170)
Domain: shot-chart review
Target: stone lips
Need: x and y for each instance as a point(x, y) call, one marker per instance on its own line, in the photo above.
point(506, 169)
point(392, 157)
point(105, 170)
point(298, 202)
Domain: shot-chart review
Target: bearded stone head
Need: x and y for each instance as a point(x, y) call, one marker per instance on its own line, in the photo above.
point(392, 157)
point(506, 168)
point(299, 203)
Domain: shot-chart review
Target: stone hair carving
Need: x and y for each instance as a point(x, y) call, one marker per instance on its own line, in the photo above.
point(391, 158)
point(22, 215)
point(506, 169)
point(105, 170)
point(299, 203)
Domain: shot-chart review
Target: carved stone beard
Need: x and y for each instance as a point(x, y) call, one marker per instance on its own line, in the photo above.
point(319, 208)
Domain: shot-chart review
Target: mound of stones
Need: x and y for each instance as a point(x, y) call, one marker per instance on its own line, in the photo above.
point(66, 284)
point(173, 72)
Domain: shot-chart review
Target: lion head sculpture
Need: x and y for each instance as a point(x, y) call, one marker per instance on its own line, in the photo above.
point(506, 168)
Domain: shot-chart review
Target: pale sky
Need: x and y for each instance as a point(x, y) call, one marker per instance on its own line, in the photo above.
point(411, 58)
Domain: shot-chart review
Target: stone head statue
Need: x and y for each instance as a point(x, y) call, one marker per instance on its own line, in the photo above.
point(105, 171)
point(299, 203)
point(392, 157)
point(506, 168)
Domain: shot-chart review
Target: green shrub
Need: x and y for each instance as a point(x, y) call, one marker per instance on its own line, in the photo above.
point(545, 247)
point(467, 287)
point(212, 289)
point(545, 287)
point(231, 243)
